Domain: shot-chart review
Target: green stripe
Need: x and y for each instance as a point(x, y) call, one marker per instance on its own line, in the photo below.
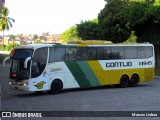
point(78, 74)
point(89, 73)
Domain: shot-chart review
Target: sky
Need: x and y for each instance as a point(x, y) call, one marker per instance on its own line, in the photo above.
point(53, 16)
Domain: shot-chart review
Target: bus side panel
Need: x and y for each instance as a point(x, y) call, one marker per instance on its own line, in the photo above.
point(88, 73)
point(102, 75)
point(59, 70)
point(149, 74)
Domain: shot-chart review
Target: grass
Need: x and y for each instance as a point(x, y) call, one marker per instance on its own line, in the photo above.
point(157, 72)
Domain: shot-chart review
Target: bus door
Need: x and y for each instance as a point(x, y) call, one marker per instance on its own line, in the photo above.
point(39, 76)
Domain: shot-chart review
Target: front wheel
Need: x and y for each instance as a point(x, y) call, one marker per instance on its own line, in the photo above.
point(56, 87)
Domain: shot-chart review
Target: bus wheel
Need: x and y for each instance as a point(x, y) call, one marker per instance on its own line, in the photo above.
point(133, 82)
point(124, 81)
point(56, 87)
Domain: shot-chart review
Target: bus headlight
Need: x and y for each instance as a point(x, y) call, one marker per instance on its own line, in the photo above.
point(10, 83)
point(24, 84)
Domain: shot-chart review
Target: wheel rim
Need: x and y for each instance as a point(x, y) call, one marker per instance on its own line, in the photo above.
point(56, 87)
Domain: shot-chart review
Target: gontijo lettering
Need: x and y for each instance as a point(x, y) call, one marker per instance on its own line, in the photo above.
point(118, 64)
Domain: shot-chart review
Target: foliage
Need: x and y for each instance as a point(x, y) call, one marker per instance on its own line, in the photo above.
point(120, 17)
point(145, 22)
point(1, 46)
point(35, 36)
point(112, 21)
point(157, 72)
point(70, 35)
point(9, 47)
point(37, 41)
point(89, 30)
point(11, 37)
point(132, 39)
point(5, 21)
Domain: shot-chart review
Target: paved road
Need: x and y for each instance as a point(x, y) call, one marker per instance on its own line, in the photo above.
point(145, 97)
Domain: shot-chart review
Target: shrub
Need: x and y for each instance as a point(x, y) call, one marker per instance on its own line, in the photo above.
point(2, 47)
point(9, 47)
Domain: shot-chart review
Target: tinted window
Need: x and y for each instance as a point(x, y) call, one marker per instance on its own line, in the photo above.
point(149, 51)
point(107, 53)
point(39, 61)
point(22, 53)
point(73, 54)
point(100, 53)
point(141, 52)
point(117, 52)
point(89, 54)
point(57, 54)
point(131, 52)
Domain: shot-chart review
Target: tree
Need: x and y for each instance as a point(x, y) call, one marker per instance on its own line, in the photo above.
point(89, 30)
point(11, 37)
point(112, 21)
point(5, 20)
point(132, 39)
point(119, 18)
point(143, 18)
point(35, 36)
point(70, 35)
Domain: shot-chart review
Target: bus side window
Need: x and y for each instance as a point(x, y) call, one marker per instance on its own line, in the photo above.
point(71, 54)
point(78, 54)
point(117, 52)
point(91, 52)
point(149, 51)
point(141, 52)
point(57, 54)
point(84, 54)
point(131, 52)
point(107, 53)
point(100, 53)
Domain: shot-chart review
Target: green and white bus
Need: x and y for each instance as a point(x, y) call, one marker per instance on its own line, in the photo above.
point(54, 67)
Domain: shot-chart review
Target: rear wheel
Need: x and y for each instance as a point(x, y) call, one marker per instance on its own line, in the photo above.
point(56, 87)
point(133, 82)
point(124, 81)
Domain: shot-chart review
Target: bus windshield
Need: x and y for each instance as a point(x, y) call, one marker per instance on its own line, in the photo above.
point(17, 70)
point(22, 53)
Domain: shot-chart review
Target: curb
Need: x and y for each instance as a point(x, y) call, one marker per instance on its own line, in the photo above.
point(157, 77)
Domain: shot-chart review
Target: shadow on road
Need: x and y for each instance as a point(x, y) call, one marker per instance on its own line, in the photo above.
point(46, 93)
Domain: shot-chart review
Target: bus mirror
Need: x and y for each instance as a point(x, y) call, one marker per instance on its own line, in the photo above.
point(5, 59)
point(26, 61)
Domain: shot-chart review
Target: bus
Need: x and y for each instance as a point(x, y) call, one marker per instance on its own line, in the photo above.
point(54, 67)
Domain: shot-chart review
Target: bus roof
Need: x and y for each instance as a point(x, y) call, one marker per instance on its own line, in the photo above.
point(36, 46)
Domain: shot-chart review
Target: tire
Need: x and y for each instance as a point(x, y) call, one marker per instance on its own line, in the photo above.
point(56, 87)
point(133, 82)
point(124, 81)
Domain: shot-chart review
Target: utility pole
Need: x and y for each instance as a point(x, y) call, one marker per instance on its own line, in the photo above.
point(2, 2)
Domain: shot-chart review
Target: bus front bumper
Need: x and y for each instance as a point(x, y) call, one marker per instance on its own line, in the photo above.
point(18, 85)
